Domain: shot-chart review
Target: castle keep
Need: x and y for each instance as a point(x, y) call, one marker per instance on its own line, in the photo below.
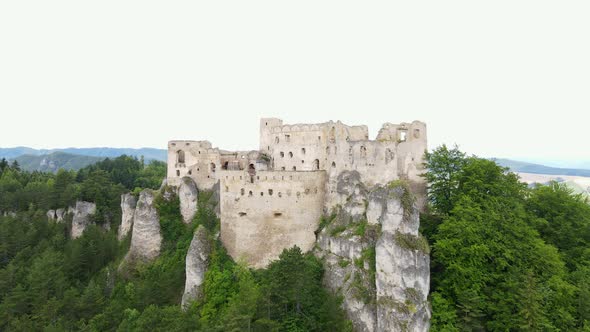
point(272, 198)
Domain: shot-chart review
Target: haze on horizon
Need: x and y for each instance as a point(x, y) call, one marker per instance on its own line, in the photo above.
point(501, 79)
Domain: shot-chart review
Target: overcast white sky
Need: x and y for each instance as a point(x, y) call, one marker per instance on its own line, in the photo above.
point(500, 78)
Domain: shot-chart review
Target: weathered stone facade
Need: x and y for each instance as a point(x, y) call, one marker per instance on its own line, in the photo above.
point(273, 198)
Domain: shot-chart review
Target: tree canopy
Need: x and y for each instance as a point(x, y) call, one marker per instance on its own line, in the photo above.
point(501, 251)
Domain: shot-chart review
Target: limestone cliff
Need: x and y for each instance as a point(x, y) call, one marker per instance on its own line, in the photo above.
point(82, 217)
point(375, 257)
point(128, 203)
point(146, 238)
point(197, 260)
point(187, 193)
point(60, 214)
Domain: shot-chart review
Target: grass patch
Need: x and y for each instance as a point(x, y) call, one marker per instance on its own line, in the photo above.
point(412, 294)
point(407, 199)
point(343, 262)
point(360, 228)
point(369, 256)
point(411, 242)
point(325, 221)
point(361, 291)
point(337, 230)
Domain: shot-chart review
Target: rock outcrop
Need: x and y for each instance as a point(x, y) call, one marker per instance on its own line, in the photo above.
point(146, 239)
point(197, 260)
point(51, 215)
point(60, 214)
point(376, 258)
point(188, 194)
point(128, 203)
point(83, 212)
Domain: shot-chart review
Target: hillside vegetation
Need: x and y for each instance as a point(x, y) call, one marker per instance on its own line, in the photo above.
point(504, 257)
point(51, 282)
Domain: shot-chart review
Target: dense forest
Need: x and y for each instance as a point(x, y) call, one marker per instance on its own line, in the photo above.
point(49, 282)
point(505, 257)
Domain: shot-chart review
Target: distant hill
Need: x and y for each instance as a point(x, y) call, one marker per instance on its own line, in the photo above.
point(524, 167)
point(147, 153)
point(54, 161)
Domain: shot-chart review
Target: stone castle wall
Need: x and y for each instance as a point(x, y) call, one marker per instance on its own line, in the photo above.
point(298, 158)
point(263, 214)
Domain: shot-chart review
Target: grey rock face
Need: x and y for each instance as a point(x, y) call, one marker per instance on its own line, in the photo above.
point(197, 260)
point(51, 215)
point(389, 292)
point(82, 217)
point(188, 194)
point(402, 264)
point(128, 203)
point(146, 239)
point(60, 215)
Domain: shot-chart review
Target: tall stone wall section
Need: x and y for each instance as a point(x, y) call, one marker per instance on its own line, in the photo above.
point(335, 147)
point(263, 214)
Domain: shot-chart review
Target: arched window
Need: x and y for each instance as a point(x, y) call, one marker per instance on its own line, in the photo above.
point(302, 150)
point(180, 157)
point(332, 135)
point(177, 172)
point(277, 140)
point(333, 165)
point(363, 151)
point(290, 154)
point(212, 167)
point(270, 192)
point(242, 191)
point(225, 165)
point(294, 168)
point(282, 154)
point(316, 165)
point(328, 150)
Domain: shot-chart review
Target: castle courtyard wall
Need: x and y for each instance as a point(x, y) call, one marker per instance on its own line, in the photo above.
point(273, 210)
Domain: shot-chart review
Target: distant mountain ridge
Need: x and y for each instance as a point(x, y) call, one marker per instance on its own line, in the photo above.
point(72, 158)
point(103, 152)
point(54, 161)
point(524, 167)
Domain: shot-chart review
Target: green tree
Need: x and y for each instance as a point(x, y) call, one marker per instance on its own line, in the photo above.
point(444, 166)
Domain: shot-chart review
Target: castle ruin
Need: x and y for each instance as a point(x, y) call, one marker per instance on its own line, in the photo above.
point(272, 198)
